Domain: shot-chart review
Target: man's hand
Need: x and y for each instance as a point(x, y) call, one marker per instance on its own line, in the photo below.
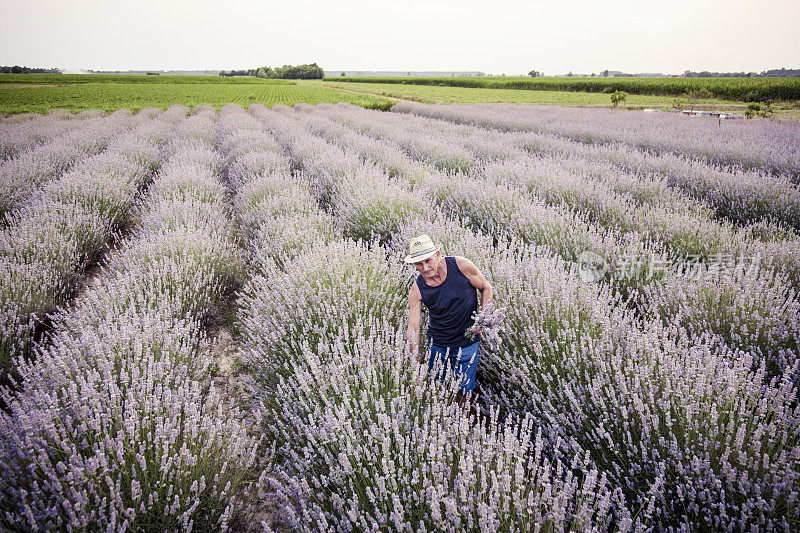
point(412, 351)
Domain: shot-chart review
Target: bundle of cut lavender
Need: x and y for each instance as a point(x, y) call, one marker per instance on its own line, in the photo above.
point(489, 324)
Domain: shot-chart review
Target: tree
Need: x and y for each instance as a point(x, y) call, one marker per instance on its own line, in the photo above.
point(617, 97)
point(312, 71)
point(535, 74)
point(755, 109)
point(343, 74)
point(303, 72)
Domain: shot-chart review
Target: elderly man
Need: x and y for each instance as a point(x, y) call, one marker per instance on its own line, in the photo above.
point(447, 286)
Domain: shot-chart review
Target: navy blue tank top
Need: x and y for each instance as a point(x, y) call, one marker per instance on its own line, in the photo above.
point(450, 307)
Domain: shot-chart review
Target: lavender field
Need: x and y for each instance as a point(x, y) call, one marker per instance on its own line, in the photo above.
point(647, 376)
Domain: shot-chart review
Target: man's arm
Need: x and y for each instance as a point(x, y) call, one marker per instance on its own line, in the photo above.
point(415, 310)
point(476, 279)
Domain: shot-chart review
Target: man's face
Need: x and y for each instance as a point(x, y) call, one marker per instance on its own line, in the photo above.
point(427, 267)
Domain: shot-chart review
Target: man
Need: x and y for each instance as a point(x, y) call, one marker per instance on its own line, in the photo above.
point(447, 286)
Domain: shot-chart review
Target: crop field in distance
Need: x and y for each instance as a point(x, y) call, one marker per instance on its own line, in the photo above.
point(738, 88)
point(203, 310)
point(432, 94)
point(718, 94)
point(42, 93)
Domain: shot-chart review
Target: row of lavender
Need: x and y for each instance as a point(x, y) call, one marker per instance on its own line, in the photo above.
point(20, 133)
point(761, 314)
point(767, 146)
point(364, 440)
point(733, 192)
point(21, 176)
point(754, 313)
point(61, 228)
point(608, 385)
point(113, 426)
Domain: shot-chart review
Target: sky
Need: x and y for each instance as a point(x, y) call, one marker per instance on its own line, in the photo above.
point(496, 37)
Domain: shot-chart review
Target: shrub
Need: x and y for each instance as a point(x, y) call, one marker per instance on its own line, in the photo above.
point(618, 97)
point(110, 426)
point(375, 445)
point(664, 415)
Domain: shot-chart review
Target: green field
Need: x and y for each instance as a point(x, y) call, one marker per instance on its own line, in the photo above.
point(68, 79)
point(41, 93)
point(429, 94)
point(741, 89)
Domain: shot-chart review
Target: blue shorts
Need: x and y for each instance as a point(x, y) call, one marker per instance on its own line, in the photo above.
point(459, 360)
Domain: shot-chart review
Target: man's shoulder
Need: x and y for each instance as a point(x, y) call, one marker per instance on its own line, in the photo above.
point(463, 262)
point(413, 292)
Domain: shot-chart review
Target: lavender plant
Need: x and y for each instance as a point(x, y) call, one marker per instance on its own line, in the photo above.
point(113, 411)
point(374, 446)
point(681, 419)
point(20, 177)
point(758, 313)
point(283, 311)
point(488, 324)
point(25, 131)
point(373, 206)
point(62, 229)
point(738, 144)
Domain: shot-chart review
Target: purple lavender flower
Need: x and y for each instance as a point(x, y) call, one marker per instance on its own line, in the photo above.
point(489, 324)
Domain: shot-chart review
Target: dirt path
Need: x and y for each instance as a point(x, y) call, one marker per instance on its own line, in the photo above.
point(223, 350)
point(392, 96)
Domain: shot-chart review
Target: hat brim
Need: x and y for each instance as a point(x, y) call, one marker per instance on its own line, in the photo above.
point(421, 257)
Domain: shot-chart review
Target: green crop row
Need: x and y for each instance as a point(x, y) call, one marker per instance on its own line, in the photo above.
point(745, 89)
point(133, 94)
point(68, 79)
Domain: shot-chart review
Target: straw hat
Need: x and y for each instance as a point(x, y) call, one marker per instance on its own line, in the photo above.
point(420, 249)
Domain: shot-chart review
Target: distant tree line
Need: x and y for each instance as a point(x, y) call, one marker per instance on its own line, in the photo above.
point(774, 73)
point(286, 72)
point(16, 69)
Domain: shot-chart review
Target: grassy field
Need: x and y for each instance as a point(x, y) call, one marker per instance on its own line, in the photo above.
point(69, 79)
point(742, 89)
point(41, 93)
point(463, 95)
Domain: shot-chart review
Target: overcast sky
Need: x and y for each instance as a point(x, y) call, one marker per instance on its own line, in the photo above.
point(500, 36)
